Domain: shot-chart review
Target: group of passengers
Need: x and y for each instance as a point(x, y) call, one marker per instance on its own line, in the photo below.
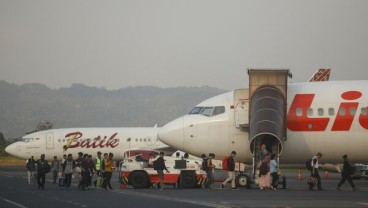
point(268, 167)
point(83, 167)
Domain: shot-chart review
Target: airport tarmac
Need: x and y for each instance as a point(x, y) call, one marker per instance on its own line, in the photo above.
point(16, 192)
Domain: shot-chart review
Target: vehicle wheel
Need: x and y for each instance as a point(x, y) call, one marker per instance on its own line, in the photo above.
point(242, 181)
point(188, 180)
point(139, 180)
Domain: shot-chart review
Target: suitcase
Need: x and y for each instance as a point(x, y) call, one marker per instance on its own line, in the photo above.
point(61, 181)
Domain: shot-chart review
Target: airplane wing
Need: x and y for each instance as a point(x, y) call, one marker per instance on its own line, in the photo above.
point(321, 75)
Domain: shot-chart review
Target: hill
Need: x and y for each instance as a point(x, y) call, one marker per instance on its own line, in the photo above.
point(22, 107)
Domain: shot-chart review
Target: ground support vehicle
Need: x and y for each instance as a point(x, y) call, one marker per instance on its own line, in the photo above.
point(183, 173)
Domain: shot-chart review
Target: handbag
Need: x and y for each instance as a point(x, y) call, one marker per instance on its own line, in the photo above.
point(311, 180)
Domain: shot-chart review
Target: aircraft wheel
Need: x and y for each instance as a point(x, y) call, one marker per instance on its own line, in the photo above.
point(188, 180)
point(139, 180)
point(242, 181)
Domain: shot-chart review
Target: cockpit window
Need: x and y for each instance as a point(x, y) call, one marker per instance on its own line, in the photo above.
point(27, 139)
point(208, 111)
point(218, 110)
point(196, 110)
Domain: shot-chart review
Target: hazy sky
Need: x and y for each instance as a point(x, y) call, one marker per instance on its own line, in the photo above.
point(170, 43)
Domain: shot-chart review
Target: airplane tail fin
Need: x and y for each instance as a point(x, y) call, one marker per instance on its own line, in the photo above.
point(321, 75)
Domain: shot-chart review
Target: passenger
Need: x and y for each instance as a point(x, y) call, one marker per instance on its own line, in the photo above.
point(262, 153)
point(160, 166)
point(108, 164)
point(314, 171)
point(43, 167)
point(186, 156)
point(64, 158)
point(152, 159)
point(274, 172)
point(230, 171)
point(177, 154)
point(264, 173)
point(209, 171)
point(79, 169)
point(346, 172)
point(55, 166)
point(68, 168)
point(88, 169)
point(31, 170)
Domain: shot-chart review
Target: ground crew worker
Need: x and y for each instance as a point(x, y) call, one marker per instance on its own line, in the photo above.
point(346, 172)
point(160, 167)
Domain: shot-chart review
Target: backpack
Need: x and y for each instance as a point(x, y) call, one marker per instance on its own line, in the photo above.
point(47, 167)
point(155, 165)
point(205, 164)
point(263, 169)
point(224, 163)
point(308, 164)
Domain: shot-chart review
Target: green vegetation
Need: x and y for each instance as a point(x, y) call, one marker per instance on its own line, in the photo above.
point(11, 161)
point(22, 107)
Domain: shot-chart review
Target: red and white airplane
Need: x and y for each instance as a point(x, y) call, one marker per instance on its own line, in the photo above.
point(328, 117)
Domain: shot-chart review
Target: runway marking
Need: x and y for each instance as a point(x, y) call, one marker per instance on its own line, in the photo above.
point(13, 203)
point(363, 203)
point(154, 196)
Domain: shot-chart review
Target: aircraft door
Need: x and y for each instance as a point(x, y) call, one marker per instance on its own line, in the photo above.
point(49, 140)
point(241, 108)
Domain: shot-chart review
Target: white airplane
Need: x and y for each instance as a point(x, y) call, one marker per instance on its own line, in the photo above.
point(56, 142)
point(329, 117)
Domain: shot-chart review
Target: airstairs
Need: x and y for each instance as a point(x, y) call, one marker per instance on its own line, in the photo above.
point(267, 110)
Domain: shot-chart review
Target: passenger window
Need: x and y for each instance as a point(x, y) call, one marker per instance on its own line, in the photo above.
point(218, 110)
point(352, 111)
point(207, 111)
point(342, 112)
point(145, 140)
point(363, 111)
point(310, 112)
point(299, 112)
point(320, 111)
point(331, 111)
point(136, 140)
point(140, 140)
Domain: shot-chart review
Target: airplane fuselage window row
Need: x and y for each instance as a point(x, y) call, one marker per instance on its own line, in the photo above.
point(208, 111)
point(331, 111)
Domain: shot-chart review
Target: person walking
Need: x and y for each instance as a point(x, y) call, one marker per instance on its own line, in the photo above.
point(209, 170)
point(31, 170)
point(108, 164)
point(346, 172)
point(55, 166)
point(264, 173)
point(230, 171)
point(43, 167)
point(160, 167)
point(314, 171)
point(274, 168)
point(67, 170)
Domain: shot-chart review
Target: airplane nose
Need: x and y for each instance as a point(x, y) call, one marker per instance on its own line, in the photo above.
point(11, 149)
point(172, 133)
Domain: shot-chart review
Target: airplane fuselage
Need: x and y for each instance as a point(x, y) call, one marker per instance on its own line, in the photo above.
point(328, 117)
point(56, 142)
